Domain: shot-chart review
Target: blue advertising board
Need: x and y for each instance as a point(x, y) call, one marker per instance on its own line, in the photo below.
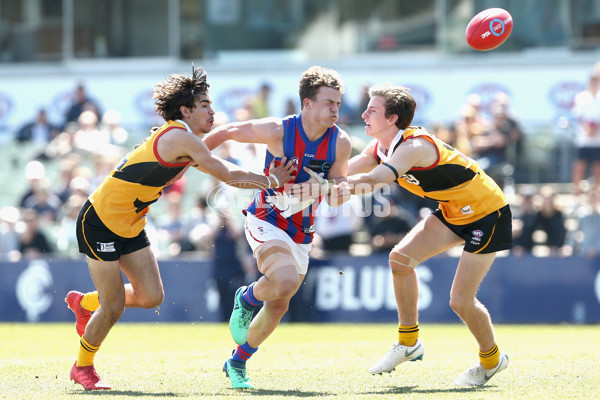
point(339, 289)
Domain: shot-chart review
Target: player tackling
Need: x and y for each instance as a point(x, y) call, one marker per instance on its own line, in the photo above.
point(472, 210)
point(110, 226)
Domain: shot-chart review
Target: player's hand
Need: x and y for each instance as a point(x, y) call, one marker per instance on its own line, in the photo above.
point(339, 194)
point(314, 187)
point(283, 173)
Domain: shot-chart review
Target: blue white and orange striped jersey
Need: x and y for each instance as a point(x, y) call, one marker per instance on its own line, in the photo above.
point(318, 155)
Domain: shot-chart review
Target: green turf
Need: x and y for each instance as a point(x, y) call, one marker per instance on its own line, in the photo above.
point(300, 361)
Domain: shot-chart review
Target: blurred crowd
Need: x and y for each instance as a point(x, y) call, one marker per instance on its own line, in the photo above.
point(90, 142)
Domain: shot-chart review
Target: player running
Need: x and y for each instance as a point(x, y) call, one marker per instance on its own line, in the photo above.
point(472, 210)
point(278, 228)
point(110, 227)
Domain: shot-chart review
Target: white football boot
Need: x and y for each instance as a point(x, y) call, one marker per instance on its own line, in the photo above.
point(478, 376)
point(398, 354)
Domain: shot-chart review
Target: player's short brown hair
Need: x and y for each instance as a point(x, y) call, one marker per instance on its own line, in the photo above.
point(398, 101)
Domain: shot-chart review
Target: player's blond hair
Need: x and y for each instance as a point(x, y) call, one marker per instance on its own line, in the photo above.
point(314, 78)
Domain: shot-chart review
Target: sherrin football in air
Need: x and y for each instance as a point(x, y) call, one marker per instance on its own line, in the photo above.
point(489, 29)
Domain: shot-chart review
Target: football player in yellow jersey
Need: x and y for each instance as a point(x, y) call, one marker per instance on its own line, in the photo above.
point(110, 227)
point(472, 210)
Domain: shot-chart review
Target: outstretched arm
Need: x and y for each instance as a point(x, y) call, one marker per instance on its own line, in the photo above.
point(264, 130)
point(411, 153)
point(179, 145)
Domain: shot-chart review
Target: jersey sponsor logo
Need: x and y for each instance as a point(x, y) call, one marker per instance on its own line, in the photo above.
point(410, 179)
point(309, 229)
point(319, 165)
point(105, 247)
point(466, 210)
point(308, 155)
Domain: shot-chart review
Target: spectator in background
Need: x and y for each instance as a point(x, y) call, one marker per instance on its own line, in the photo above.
point(290, 107)
point(172, 225)
point(589, 225)
point(390, 229)
point(35, 174)
point(81, 102)
point(66, 238)
point(44, 202)
point(524, 223)
point(467, 127)
point(507, 125)
point(551, 220)
point(586, 110)
point(67, 170)
point(199, 226)
point(89, 138)
point(336, 225)
point(33, 243)
point(9, 237)
point(231, 268)
point(258, 104)
point(40, 131)
point(111, 128)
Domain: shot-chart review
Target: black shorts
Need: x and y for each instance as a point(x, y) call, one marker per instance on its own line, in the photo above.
point(98, 242)
point(490, 234)
point(589, 154)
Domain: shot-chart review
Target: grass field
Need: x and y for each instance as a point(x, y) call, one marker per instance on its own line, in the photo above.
point(300, 361)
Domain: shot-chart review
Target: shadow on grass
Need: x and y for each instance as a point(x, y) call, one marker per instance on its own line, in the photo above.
point(252, 392)
point(413, 389)
point(130, 393)
point(283, 393)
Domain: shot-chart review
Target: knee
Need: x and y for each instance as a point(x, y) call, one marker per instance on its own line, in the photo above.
point(460, 305)
point(277, 308)
point(401, 263)
point(287, 287)
point(153, 299)
point(113, 311)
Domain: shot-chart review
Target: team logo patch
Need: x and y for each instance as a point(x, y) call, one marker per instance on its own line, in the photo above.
point(295, 161)
point(105, 247)
point(477, 233)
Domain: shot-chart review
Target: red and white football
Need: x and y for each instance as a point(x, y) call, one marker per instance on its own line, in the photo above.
point(489, 29)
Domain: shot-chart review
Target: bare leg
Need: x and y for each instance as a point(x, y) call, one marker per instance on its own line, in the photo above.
point(578, 174)
point(427, 239)
point(472, 268)
point(596, 168)
point(278, 288)
point(145, 290)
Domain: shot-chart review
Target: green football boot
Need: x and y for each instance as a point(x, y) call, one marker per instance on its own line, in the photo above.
point(241, 316)
point(236, 372)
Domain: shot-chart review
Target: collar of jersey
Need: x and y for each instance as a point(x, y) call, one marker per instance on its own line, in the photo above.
point(187, 128)
point(386, 156)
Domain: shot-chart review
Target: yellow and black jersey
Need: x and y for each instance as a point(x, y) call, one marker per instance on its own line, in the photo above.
point(124, 197)
point(464, 191)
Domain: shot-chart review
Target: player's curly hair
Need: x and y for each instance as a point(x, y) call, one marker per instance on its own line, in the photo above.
point(315, 77)
point(179, 90)
point(398, 101)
